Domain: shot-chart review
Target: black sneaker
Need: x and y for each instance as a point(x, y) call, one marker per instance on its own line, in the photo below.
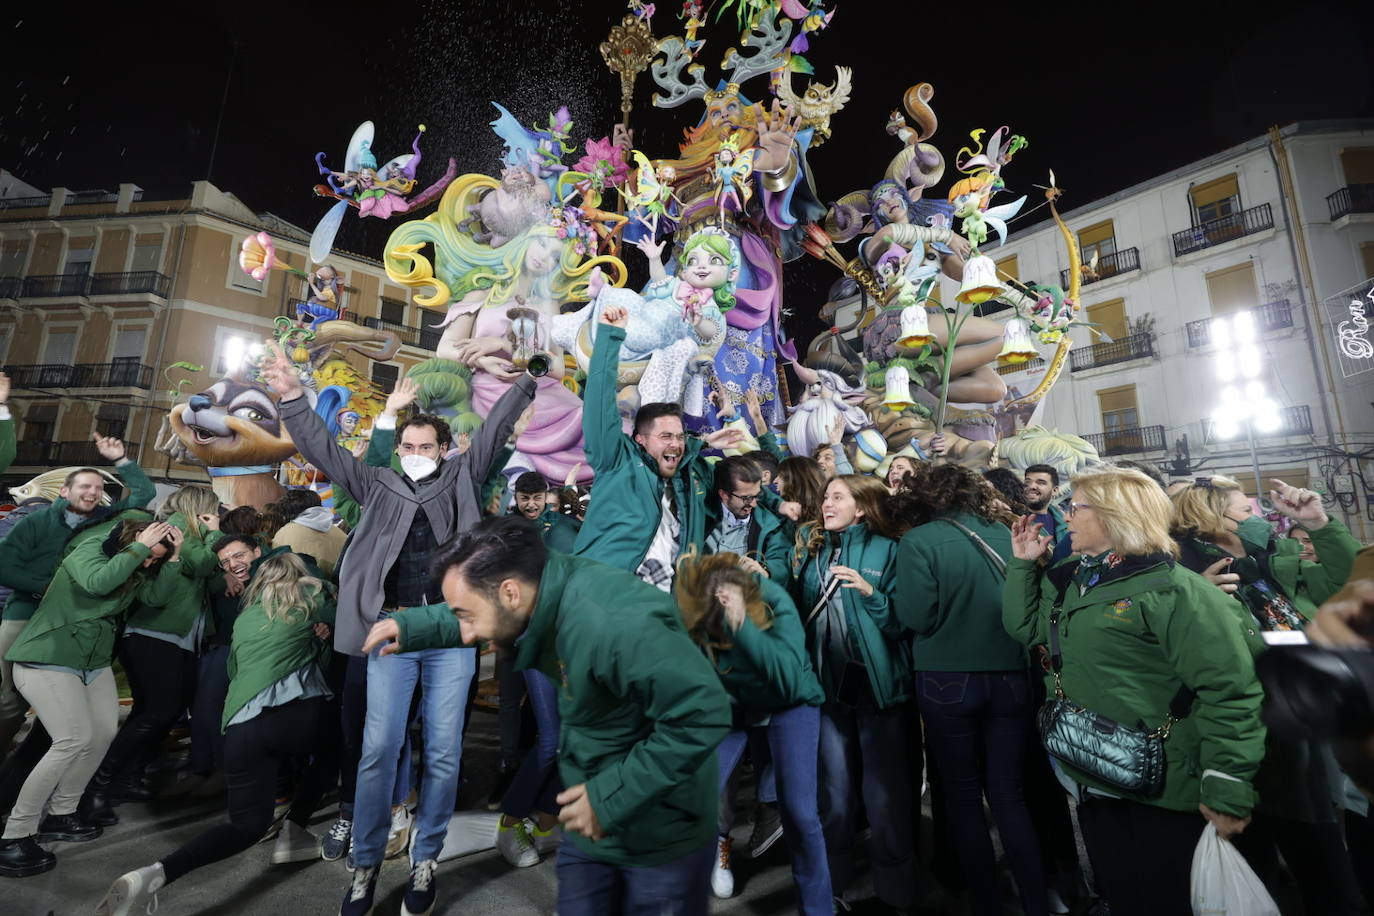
point(66, 828)
point(421, 891)
point(94, 808)
point(767, 829)
point(23, 857)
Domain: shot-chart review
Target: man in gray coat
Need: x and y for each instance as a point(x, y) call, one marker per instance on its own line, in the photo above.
point(384, 569)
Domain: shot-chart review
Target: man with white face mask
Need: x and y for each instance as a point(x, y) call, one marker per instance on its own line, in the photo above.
point(383, 571)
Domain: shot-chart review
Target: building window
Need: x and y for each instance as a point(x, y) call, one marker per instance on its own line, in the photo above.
point(1120, 414)
point(1232, 289)
point(112, 420)
point(384, 375)
point(1110, 318)
point(79, 257)
point(1358, 165)
point(1216, 199)
point(148, 256)
point(392, 311)
point(231, 349)
point(1097, 240)
point(1009, 266)
point(40, 423)
point(12, 260)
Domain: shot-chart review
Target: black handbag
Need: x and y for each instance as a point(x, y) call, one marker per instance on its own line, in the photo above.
point(1123, 757)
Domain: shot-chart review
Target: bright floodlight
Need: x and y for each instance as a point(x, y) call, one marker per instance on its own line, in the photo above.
point(1267, 417)
point(232, 353)
point(1224, 426)
point(1221, 332)
point(1249, 358)
point(1226, 369)
point(1254, 394)
point(1243, 323)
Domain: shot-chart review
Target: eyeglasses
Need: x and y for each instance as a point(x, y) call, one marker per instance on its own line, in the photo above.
point(240, 557)
point(1074, 507)
point(747, 499)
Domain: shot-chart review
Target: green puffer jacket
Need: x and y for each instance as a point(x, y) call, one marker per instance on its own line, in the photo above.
point(768, 671)
point(76, 622)
point(30, 553)
point(1128, 646)
point(642, 710)
point(874, 627)
point(625, 514)
point(190, 595)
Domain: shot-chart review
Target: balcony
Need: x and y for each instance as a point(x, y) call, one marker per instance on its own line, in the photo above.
point(1118, 262)
point(17, 203)
point(1293, 421)
point(1272, 316)
point(1136, 346)
point(132, 283)
point(66, 454)
point(10, 286)
point(1129, 440)
point(118, 374)
point(1035, 362)
point(425, 338)
point(1355, 198)
point(1227, 229)
point(52, 286)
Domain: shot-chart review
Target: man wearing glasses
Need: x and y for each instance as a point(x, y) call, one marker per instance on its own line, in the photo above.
point(651, 489)
point(383, 571)
point(745, 527)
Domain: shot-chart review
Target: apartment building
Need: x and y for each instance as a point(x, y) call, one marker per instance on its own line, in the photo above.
point(101, 292)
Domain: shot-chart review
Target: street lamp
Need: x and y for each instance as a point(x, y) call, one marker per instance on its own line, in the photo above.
point(1244, 401)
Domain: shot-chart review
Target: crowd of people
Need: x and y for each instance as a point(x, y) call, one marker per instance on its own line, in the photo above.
point(864, 646)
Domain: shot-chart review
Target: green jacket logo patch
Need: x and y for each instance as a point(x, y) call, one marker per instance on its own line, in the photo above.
point(1120, 609)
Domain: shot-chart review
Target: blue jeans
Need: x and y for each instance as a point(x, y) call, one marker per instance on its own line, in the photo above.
point(794, 738)
point(590, 888)
point(444, 676)
point(863, 750)
point(976, 729)
point(536, 784)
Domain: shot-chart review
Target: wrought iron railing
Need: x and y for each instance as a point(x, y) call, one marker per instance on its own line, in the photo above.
point(85, 452)
point(1293, 421)
point(1136, 346)
point(426, 338)
point(10, 287)
point(1118, 262)
point(1128, 440)
point(117, 374)
point(15, 203)
point(135, 281)
point(1355, 198)
point(1271, 316)
point(1226, 229)
point(53, 285)
point(1034, 363)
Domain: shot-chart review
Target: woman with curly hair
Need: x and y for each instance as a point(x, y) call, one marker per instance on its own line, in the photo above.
point(749, 628)
point(971, 679)
point(843, 580)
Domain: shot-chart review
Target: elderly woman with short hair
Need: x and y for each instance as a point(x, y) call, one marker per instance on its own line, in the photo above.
point(1139, 635)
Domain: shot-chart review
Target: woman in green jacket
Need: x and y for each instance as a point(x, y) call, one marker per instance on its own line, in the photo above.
point(971, 680)
point(843, 578)
point(277, 696)
point(1140, 635)
point(158, 651)
point(747, 625)
point(1301, 790)
point(62, 667)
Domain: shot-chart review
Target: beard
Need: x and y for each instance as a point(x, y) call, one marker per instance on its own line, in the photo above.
point(509, 628)
point(1038, 505)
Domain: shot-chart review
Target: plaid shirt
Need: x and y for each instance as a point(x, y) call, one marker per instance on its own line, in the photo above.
point(408, 582)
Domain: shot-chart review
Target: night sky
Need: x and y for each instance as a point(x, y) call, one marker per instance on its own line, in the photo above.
point(1107, 94)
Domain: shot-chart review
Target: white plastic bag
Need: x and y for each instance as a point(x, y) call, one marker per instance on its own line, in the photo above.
point(1223, 883)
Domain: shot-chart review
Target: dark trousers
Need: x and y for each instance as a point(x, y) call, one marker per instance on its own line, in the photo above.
point(1359, 841)
point(21, 763)
point(1316, 857)
point(207, 710)
point(590, 888)
point(162, 679)
point(1048, 804)
point(976, 728)
point(536, 784)
point(1142, 855)
point(512, 713)
point(254, 751)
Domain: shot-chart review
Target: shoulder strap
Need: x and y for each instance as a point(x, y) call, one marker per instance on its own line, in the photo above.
point(826, 594)
point(996, 558)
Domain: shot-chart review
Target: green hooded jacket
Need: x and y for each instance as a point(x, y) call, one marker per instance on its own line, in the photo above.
point(642, 711)
point(873, 624)
point(30, 553)
point(83, 608)
point(1128, 646)
point(190, 596)
point(625, 513)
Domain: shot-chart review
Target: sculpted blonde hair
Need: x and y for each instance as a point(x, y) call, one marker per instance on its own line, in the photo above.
point(1133, 510)
point(1201, 510)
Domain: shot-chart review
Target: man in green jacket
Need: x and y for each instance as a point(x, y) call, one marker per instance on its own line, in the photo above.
point(639, 734)
point(745, 527)
point(29, 556)
point(651, 489)
point(531, 501)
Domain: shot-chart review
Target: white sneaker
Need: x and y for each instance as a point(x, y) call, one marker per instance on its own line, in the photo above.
point(545, 843)
point(295, 844)
point(722, 878)
point(399, 837)
point(134, 889)
point(515, 845)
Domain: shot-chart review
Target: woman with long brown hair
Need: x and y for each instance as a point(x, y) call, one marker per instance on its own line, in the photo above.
point(843, 579)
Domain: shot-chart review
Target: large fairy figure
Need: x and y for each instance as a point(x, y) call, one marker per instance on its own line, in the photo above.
point(543, 266)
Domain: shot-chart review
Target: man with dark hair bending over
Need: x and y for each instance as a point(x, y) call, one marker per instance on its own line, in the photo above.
point(639, 736)
point(651, 488)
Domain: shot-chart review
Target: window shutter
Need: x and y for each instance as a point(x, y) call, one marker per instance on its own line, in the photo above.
point(1233, 289)
point(1212, 191)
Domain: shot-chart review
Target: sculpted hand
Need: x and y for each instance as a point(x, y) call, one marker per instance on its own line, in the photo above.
point(1028, 540)
point(110, 448)
point(384, 633)
point(280, 373)
point(725, 406)
point(652, 250)
point(576, 814)
point(401, 397)
point(500, 368)
point(1217, 574)
point(777, 132)
point(1302, 506)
